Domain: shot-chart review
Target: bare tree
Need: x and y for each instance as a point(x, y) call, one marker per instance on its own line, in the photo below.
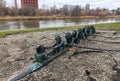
point(2, 8)
point(118, 11)
point(2, 3)
point(65, 10)
point(16, 8)
point(113, 11)
point(76, 11)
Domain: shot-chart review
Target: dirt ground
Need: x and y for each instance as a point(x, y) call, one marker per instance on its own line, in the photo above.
point(16, 54)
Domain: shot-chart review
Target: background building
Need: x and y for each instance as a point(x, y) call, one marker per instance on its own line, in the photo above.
point(87, 6)
point(29, 4)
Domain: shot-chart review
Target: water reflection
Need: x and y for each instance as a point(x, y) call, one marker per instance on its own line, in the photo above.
point(11, 25)
point(31, 24)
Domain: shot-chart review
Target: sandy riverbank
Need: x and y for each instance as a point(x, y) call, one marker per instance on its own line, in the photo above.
point(16, 54)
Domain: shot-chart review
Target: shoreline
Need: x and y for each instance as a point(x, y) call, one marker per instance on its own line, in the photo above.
point(105, 26)
point(7, 18)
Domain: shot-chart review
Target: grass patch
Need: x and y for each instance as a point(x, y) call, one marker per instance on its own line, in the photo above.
point(10, 32)
point(106, 26)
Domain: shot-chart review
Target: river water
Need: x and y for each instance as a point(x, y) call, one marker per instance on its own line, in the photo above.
point(25, 24)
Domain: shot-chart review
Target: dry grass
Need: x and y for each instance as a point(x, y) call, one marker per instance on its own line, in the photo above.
point(51, 17)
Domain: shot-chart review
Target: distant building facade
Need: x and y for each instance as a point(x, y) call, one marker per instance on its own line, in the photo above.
point(29, 4)
point(87, 7)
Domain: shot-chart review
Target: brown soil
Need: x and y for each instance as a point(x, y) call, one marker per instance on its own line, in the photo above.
point(16, 55)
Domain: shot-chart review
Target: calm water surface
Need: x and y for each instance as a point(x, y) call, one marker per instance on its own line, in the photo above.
point(12, 25)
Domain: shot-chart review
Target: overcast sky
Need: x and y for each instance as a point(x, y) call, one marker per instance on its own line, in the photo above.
point(111, 4)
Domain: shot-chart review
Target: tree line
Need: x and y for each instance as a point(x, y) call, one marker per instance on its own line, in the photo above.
point(66, 10)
